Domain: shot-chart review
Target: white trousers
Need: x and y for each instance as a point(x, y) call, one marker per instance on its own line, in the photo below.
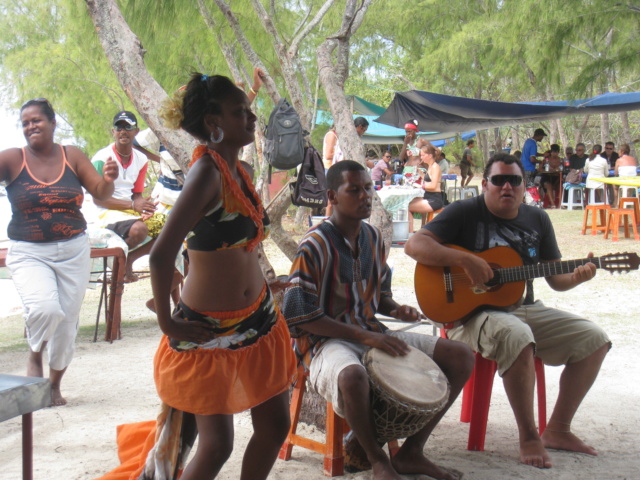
point(51, 279)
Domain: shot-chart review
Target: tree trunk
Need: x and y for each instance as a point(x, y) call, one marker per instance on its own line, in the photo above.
point(605, 133)
point(125, 53)
point(626, 132)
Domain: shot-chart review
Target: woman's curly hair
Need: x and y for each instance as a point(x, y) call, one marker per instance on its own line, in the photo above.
point(202, 96)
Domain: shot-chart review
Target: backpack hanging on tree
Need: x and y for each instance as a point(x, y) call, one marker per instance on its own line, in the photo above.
point(284, 138)
point(310, 188)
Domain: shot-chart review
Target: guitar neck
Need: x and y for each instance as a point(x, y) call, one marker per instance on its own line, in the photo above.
point(548, 269)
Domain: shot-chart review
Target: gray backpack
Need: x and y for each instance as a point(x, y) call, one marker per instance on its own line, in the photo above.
point(284, 137)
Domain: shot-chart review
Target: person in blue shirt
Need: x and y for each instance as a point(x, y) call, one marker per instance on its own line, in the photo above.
point(530, 154)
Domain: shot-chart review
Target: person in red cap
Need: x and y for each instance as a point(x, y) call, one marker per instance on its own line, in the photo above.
point(412, 143)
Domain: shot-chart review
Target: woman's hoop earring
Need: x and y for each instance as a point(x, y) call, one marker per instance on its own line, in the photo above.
point(218, 139)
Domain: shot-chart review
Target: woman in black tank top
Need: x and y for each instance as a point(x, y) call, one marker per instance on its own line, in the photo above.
point(432, 198)
point(45, 183)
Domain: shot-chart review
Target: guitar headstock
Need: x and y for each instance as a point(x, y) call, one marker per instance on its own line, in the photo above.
point(620, 262)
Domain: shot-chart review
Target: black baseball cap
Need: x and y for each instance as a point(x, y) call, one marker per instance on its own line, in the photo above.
point(539, 132)
point(125, 116)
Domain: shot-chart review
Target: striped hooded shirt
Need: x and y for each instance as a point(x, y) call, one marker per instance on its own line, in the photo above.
point(330, 278)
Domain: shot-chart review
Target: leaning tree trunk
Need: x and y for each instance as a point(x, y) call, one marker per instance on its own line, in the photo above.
point(125, 53)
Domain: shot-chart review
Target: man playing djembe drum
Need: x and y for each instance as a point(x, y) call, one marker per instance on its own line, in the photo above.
point(498, 218)
point(340, 279)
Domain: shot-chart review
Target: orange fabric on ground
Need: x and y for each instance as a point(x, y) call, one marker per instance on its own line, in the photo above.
point(135, 440)
point(221, 381)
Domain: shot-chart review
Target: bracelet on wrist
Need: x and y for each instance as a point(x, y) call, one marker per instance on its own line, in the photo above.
point(253, 91)
point(133, 205)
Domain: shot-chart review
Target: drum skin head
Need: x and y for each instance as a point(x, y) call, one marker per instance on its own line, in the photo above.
point(413, 378)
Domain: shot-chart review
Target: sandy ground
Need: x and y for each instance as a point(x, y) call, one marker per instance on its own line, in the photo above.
point(111, 384)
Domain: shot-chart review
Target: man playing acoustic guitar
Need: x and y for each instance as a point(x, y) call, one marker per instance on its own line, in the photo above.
point(499, 218)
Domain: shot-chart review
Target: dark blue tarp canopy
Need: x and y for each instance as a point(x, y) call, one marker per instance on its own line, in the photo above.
point(449, 115)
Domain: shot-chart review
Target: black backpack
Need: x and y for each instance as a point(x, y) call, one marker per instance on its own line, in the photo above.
point(310, 188)
point(284, 137)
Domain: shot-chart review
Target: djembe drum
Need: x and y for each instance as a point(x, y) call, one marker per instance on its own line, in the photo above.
point(406, 392)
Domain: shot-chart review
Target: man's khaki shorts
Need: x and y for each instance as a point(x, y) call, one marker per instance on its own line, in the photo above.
point(559, 337)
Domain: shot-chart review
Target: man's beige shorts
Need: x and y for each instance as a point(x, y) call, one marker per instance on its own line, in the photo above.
point(337, 354)
point(559, 337)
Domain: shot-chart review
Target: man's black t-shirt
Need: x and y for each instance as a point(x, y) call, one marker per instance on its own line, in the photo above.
point(577, 162)
point(469, 224)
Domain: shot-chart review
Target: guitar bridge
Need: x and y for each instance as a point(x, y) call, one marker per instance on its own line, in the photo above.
point(448, 284)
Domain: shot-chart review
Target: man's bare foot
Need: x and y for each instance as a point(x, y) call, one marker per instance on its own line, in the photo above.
point(532, 452)
point(130, 277)
point(407, 463)
point(384, 471)
point(566, 441)
point(151, 305)
point(56, 397)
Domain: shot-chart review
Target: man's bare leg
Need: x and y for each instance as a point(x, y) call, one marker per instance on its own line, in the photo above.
point(134, 255)
point(575, 381)
point(456, 362)
point(519, 382)
point(354, 386)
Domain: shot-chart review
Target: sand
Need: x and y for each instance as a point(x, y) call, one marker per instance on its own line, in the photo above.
point(110, 384)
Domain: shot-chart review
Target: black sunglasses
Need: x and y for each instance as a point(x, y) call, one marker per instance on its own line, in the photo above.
point(500, 180)
point(387, 156)
point(128, 128)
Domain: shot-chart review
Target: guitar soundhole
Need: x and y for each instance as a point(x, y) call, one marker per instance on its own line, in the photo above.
point(495, 281)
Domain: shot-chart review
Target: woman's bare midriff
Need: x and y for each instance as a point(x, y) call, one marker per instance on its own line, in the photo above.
point(224, 280)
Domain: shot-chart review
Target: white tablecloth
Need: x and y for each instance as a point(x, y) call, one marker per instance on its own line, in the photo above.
point(395, 197)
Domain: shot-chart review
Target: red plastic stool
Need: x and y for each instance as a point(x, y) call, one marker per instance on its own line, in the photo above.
point(335, 428)
point(476, 400)
point(613, 224)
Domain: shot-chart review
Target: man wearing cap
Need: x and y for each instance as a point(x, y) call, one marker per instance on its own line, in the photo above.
point(125, 212)
point(412, 143)
point(530, 154)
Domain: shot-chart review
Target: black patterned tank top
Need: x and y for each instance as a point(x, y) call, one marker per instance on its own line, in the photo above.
point(45, 212)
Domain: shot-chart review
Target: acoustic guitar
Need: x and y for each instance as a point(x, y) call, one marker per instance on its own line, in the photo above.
point(447, 297)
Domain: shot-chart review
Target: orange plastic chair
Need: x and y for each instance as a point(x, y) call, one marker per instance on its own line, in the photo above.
point(598, 219)
point(476, 399)
point(626, 215)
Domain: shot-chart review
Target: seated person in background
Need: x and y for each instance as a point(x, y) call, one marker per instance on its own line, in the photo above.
point(596, 167)
point(609, 154)
point(383, 166)
point(432, 199)
point(551, 183)
point(626, 166)
point(442, 161)
point(127, 210)
point(340, 280)
point(512, 339)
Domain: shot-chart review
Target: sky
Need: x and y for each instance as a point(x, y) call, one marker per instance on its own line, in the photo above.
point(11, 133)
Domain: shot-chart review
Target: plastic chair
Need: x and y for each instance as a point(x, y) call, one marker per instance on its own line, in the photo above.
point(429, 216)
point(476, 399)
point(335, 428)
point(592, 196)
point(454, 193)
point(598, 218)
point(613, 223)
point(628, 191)
point(470, 191)
point(573, 196)
point(633, 201)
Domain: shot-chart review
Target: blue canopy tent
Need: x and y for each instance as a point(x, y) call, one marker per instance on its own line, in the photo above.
point(450, 115)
